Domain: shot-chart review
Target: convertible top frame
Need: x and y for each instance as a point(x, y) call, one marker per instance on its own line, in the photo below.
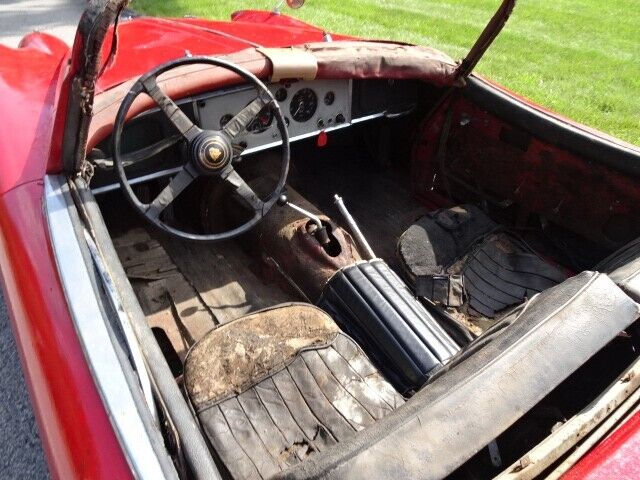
point(84, 70)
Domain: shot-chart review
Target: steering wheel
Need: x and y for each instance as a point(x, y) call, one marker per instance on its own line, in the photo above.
point(210, 152)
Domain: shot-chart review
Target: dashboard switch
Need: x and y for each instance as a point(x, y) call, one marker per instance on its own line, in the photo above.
point(340, 118)
point(322, 139)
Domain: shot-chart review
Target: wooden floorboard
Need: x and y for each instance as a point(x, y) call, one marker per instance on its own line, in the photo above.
point(188, 288)
point(167, 298)
point(225, 278)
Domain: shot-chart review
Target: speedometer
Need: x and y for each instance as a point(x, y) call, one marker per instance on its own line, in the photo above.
point(303, 105)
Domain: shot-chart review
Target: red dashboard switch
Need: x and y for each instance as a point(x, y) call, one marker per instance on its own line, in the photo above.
point(322, 139)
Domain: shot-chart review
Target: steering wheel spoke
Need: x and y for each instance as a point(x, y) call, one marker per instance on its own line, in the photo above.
point(169, 193)
point(243, 189)
point(238, 150)
point(176, 116)
point(210, 152)
point(241, 121)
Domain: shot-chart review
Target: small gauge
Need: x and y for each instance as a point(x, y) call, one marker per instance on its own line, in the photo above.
point(262, 121)
point(303, 105)
point(281, 94)
point(225, 119)
point(329, 98)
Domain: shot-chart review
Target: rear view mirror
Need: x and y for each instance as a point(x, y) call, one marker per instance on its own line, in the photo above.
point(295, 4)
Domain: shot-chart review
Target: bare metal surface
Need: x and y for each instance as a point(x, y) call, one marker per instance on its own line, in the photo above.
point(353, 226)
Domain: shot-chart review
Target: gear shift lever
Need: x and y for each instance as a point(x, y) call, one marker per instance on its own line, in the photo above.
point(319, 232)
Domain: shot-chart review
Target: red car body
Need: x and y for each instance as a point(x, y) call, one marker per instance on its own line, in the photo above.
point(77, 435)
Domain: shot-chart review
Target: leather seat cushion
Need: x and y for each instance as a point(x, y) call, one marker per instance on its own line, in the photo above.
point(277, 386)
point(435, 241)
point(459, 257)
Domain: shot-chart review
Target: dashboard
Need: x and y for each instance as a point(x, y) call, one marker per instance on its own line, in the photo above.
point(309, 108)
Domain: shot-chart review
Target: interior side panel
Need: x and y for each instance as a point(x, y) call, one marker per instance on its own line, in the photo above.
point(487, 157)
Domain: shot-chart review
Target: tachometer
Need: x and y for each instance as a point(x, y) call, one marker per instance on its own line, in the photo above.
point(303, 105)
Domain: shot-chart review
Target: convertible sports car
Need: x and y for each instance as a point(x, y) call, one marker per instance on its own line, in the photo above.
point(256, 249)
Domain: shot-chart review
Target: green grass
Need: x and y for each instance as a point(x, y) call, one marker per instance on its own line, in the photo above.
point(580, 58)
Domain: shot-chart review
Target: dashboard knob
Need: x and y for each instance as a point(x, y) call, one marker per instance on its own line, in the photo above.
point(340, 118)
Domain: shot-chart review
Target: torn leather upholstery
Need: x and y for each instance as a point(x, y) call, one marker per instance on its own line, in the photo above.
point(277, 386)
point(459, 257)
point(510, 372)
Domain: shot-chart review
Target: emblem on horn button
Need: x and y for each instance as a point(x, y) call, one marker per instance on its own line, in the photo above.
point(214, 154)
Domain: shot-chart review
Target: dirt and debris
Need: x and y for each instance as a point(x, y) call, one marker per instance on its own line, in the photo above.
point(239, 354)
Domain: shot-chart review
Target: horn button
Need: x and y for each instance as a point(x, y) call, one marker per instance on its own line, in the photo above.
point(211, 152)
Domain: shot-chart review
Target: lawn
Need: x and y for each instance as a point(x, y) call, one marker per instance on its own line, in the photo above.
point(578, 57)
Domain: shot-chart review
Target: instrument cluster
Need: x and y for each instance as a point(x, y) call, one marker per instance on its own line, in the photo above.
point(308, 107)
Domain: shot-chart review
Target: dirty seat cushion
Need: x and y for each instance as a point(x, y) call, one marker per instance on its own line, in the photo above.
point(459, 257)
point(275, 387)
point(436, 240)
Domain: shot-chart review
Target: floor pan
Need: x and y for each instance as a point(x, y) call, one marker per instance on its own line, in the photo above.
point(186, 289)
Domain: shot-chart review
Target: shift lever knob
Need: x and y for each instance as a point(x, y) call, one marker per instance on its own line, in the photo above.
point(282, 200)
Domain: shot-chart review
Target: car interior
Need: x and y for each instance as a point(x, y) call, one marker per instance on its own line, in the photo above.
point(368, 241)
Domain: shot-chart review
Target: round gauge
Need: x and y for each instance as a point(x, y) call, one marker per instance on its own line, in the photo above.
point(225, 119)
point(303, 105)
point(281, 94)
point(329, 98)
point(262, 121)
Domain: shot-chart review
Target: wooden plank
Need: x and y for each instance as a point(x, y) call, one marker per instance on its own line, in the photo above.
point(166, 297)
point(222, 274)
point(192, 316)
point(187, 288)
point(165, 320)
